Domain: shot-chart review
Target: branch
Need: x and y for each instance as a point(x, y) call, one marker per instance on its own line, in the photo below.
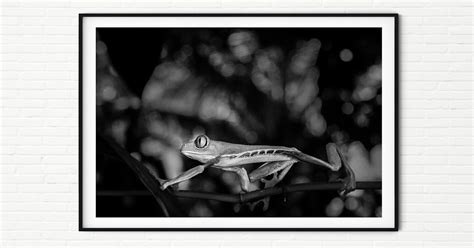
point(165, 199)
point(254, 195)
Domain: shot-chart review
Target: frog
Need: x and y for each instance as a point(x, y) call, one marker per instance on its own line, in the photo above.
point(276, 161)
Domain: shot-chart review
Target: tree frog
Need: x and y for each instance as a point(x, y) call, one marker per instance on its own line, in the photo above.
point(277, 161)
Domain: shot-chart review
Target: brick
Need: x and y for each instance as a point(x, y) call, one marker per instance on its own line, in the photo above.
point(39, 125)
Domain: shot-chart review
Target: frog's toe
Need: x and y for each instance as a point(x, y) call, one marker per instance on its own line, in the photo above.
point(252, 205)
point(266, 203)
point(349, 185)
point(237, 208)
point(173, 187)
point(164, 185)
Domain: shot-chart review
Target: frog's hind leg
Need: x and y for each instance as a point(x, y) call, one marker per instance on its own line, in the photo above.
point(278, 170)
point(270, 168)
point(278, 176)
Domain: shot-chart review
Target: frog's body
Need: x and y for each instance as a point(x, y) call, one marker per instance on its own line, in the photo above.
point(231, 157)
point(241, 154)
point(225, 154)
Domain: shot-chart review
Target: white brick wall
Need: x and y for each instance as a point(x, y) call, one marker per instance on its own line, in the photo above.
point(39, 135)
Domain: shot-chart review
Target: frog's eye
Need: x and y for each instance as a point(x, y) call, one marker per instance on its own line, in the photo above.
point(201, 141)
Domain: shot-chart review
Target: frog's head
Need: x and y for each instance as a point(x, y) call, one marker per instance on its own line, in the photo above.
point(201, 149)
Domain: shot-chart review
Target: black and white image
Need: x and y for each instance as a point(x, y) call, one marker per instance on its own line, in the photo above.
point(250, 124)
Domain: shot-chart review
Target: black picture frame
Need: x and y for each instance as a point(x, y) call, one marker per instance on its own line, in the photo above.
point(395, 17)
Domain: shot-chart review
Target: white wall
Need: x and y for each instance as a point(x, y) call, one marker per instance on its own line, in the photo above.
point(39, 138)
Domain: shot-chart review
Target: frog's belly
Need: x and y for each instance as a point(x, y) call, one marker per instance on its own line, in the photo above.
point(233, 161)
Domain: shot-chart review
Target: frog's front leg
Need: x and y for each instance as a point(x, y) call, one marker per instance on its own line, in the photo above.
point(186, 175)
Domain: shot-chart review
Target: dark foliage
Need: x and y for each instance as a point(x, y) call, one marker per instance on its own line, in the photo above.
point(304, 88)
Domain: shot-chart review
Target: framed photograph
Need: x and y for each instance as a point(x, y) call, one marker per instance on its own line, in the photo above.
point(224, 122)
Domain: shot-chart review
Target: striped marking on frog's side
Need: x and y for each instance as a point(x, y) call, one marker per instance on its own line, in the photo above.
point(255, 156)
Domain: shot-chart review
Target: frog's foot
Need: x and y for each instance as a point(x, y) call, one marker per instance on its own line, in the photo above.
point(348, 181)
point(237, 208)
point(265, 201)
point(166, 185)
point(349, 185)
point(270, 182)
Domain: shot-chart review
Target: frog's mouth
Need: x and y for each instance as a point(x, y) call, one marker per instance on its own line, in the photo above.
point(197, 156)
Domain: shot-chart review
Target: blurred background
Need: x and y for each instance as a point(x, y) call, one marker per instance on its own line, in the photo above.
point(298, 87)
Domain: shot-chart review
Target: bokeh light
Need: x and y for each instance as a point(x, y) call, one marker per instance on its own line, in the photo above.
point(346, 55)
